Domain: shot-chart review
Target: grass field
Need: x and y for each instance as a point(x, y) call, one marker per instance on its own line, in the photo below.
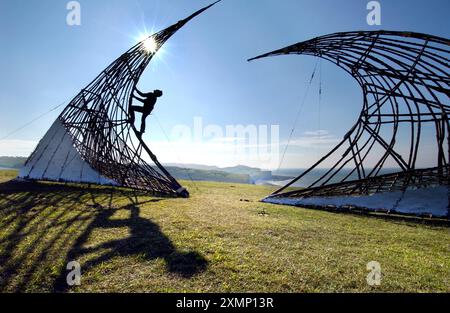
point(219, 240)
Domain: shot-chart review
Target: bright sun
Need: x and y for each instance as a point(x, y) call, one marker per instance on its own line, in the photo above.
point(150, 45)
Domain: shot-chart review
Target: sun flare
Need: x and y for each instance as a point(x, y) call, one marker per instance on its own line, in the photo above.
point(150, 45)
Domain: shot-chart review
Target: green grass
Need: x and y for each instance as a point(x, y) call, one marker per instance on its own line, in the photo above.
point(6, 175)
point(211, 242)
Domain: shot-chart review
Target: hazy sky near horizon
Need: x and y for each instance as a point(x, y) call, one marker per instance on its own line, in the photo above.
point(202, 69)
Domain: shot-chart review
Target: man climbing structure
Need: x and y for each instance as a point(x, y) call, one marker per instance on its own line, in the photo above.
point(149, 100)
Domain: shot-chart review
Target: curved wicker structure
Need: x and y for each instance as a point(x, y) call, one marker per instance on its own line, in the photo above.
point(93, 140)
point(404, 121)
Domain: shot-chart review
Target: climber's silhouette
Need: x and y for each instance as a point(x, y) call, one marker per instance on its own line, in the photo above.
point(149, 101)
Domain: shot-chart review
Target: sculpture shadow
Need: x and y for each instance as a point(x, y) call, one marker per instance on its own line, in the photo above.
point(146, 240)
point(22, 259)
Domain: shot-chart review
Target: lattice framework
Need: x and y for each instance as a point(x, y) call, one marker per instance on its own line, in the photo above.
point(404, 78)
point(98, 121)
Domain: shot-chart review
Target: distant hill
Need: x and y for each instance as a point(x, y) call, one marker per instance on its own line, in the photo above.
point(238, 169)
point(255, 175)
point(234, 174)
point(241, 169)
point(12, 162)
point(193, 166)
point(208, 175)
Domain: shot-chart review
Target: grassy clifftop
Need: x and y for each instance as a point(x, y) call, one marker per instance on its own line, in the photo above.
point(207, 175)
point(220, 239)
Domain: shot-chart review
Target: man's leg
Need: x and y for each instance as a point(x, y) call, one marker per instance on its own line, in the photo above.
point(133, 109)
point(144, 116)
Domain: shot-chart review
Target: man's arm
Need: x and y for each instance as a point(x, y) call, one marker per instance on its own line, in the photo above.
point(143, 94)
point(139, 99)
point(139, 93)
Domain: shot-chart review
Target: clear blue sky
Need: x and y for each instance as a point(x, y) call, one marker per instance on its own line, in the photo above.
point(202, 69)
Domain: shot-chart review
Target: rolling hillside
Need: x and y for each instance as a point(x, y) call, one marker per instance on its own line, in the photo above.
point(221, 239)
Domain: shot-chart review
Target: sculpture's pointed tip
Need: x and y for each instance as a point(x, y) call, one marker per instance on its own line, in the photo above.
point(257, 57)
point(164, 34)
point(213, 3)
point(199, 12)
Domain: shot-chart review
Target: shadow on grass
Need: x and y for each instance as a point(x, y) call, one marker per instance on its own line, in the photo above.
point(44, 226)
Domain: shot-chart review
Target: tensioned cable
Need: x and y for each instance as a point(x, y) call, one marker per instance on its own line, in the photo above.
point(297, 117)
point(32, 121)
point(173, 151)
point(319, 129)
